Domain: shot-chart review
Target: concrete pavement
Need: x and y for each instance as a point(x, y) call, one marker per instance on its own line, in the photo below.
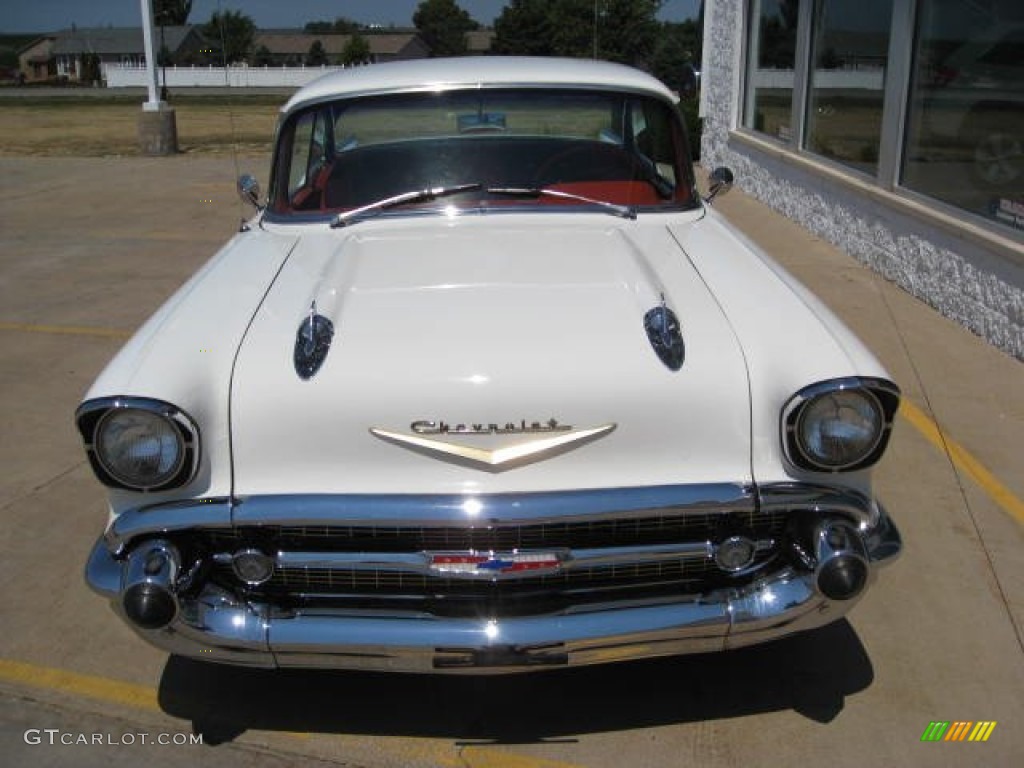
point(89, 247)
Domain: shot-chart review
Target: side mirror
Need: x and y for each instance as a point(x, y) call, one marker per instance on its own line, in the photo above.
point(719, 182)
point(249, 191)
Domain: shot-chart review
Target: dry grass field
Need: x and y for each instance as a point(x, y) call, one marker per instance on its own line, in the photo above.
point(101, 127)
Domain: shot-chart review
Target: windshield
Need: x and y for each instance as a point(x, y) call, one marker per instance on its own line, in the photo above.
point(349, 154)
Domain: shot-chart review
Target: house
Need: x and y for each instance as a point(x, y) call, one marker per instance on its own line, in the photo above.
point(290, 48)
point(36, 62)
point(71, 53)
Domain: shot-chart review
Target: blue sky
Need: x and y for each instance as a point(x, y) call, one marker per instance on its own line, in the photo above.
point(17, 16)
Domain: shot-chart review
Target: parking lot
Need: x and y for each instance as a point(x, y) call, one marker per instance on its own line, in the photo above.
point(89, 247)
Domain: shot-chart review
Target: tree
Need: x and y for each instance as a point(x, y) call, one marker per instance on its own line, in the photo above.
point(628, 30)
point(443, 26)
point(572, 28)
point(235, 31)
point(676, 53)
point(356, 51)
point(171, 13)
point(340, 26)
point(262, 57)
point(617, 30)
point(317, 56)
point(523, 29)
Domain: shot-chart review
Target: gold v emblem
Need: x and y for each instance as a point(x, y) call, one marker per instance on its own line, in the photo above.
point(498, 459)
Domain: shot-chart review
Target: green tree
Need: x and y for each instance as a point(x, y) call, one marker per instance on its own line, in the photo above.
point(90, 68)
point(523, 29)
point(676, 53)
point(617, 30)
point(443, 26)
point(171, 13)
point(317, 56)
point(262, 57)
point(572, 28)
point(340, 26)
point(235, 32)
point(356, 51)
point(627, 30)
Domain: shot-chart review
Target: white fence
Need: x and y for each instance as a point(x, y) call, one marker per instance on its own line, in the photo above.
point(129, 76)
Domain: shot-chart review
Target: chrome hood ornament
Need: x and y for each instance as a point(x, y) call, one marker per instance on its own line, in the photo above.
point(494, 459)
point(662, 327)
point(312, 343)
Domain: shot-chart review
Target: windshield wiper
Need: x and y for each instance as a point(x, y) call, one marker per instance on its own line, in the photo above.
point(624, 211)
point(415, 196)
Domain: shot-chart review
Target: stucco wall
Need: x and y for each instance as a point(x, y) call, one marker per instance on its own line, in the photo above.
point(981, 288)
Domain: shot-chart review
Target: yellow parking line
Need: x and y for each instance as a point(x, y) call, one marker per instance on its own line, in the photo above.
point(89, 686)
point(66, 330)
point(963, 460)
point(111, 691)
point(489, 757)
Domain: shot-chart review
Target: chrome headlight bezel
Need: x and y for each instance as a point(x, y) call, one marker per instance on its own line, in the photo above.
point(95, 416)
point(879, 396)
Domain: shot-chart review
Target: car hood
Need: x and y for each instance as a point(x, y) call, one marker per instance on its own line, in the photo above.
point(527, 341)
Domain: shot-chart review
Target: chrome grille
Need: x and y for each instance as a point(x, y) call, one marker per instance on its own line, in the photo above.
point(406, 584)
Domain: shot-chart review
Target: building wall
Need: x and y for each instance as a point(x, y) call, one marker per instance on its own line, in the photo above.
point(971, 276)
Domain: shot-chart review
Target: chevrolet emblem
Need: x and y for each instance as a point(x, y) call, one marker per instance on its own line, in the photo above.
point(501, 458)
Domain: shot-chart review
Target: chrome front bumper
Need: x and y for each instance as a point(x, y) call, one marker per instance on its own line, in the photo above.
point(215, 625)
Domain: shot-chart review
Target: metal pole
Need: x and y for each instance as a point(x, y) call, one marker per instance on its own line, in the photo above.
point(154, 103)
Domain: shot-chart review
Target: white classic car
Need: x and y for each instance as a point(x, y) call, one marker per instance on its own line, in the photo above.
point(485, 386)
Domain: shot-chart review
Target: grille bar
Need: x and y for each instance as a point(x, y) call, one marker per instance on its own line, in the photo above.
point(574, 534)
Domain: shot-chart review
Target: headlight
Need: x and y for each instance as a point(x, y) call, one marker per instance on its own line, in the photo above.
point(139, 444)
point(839, 425)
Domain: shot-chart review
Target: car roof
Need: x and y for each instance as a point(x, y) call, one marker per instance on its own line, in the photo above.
point(476, 72)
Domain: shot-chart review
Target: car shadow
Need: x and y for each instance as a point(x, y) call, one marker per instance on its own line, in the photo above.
point(810, 673)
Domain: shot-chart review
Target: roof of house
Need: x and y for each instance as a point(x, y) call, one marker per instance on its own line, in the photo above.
point(297, 43)
point(114, 40)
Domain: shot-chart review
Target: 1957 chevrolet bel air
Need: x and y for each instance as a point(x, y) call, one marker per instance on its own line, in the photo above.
point(484, 385)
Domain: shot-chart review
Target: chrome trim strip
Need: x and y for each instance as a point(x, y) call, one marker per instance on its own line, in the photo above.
point(492, 509)
point(819, 499)
point(496, 509)
point(167, 518)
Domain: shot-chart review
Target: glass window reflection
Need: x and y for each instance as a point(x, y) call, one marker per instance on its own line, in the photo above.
point(850, 47)
point(771, 67)
point(965, 127)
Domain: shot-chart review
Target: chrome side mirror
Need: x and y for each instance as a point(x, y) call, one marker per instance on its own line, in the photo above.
point(719, 182)
point(249, 191)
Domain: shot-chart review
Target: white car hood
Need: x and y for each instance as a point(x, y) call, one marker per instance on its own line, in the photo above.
point(486, 323)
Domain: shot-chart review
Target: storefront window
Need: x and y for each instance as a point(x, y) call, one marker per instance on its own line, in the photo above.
point(850, 46)
point(965, 124)
point(770, 73)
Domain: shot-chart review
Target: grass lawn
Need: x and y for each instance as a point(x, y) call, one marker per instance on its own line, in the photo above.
point(98, 127)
